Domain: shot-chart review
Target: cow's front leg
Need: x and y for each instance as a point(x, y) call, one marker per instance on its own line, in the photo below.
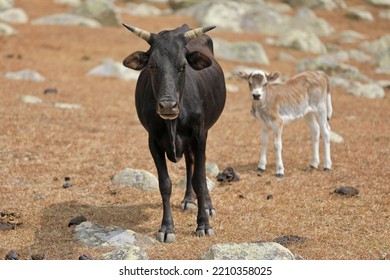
point(200, 187)
point(167, 231)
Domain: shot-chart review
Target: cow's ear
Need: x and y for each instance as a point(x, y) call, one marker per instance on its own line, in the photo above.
point(137, 60)
point(273, 76)
point(198, 60)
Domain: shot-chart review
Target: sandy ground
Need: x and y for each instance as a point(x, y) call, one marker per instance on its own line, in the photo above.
point(40, 145)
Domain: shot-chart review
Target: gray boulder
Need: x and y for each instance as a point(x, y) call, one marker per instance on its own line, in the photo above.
point(249, 251)
point(369, 90)
point(66, 19)
point(127, 244)
point(25, 74)
point(139, 179)
point(111, 68)
point(359, 13)
point(15, 15)
point(6, 30)
point(6, 4)
point(101, 10)
point(252, 52)
point(301, 40)
point(380, 3)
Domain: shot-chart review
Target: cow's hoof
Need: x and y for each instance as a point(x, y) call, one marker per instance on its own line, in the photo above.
point(326, 169)
point(188, 205)
point(165, 237)
point(279, 175)
point(203, 232)
point(211, 212)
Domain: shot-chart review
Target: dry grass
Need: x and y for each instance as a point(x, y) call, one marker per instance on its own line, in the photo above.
point(40, 145)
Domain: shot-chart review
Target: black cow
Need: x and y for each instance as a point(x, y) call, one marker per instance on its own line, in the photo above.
point(180, 94)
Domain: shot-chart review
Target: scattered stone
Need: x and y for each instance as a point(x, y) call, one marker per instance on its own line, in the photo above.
point(369, 90)
point(336, 138)
point(26, 74)
point(248, 251)
point(38, 256)
point(66, 19)
point(286, 239)
point(252, 52)
point(228, 175)
point(15, 15)
point(67, 106)
point(77, 220)
point(6, 4)
point(84, 258)
point(110, 68)
point(270, 196)
point(12, 255)
point(139, 179)
point(359, 14)
point(30, 99)
point(380, 3)
point(5, 226)
point(101, 10)
point(126, 243)
point(301, 40)
point(347, 191)
point(9, 219)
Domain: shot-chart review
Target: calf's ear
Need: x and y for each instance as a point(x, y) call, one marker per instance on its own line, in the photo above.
point(273, 76)
point(137, 60)
point(198, 60)
point(242, 75)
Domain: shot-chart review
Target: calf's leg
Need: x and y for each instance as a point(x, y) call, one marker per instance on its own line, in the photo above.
point(315, 139)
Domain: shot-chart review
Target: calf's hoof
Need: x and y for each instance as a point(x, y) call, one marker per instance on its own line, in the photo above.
point(279, 175)
point(164, 237)
point(326, 169)
point(260, 171)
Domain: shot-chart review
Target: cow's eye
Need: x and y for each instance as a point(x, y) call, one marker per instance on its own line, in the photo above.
point(152, 67)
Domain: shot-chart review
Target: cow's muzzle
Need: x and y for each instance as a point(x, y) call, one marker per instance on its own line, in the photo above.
point(168, 110)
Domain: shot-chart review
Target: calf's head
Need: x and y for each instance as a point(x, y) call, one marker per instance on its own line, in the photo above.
point(257, 80)
point(167, 60)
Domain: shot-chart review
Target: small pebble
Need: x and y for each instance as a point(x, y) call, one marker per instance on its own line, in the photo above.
point(270, 196)
point(12, 256)
point(38, 256)
point(66, 185)
point(347, 191)
point(77, 220)
point(84, 258)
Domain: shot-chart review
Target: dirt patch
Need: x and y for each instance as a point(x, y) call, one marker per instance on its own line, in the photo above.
point(41, 145)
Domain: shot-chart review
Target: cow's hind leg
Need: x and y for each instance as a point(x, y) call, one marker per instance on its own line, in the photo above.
point(167, 232)
point(188, 202)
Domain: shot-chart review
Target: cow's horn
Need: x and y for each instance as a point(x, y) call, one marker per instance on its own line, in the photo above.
point(139, 32)
point(194, 33)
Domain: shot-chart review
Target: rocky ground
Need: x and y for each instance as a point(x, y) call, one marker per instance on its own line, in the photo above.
point(80, 129)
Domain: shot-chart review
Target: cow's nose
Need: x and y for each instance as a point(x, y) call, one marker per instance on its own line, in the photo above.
point(168, 109)
point(168, 105)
